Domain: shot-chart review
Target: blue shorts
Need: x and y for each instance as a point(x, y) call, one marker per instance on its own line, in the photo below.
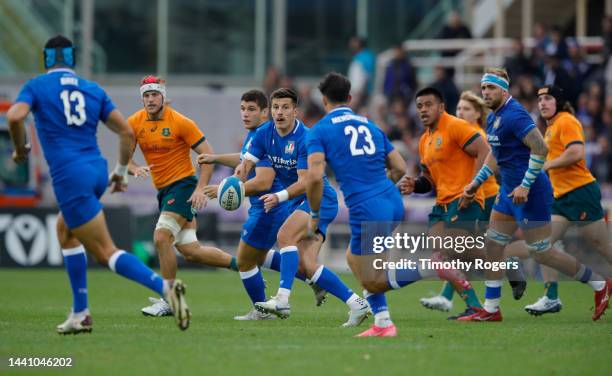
point(78, 188)
point(261, 228)
point(378, 216)
point(327, 212)
point(534, 213)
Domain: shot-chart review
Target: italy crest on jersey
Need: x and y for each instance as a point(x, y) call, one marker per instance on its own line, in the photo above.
point(290, 147)
point(497, 122)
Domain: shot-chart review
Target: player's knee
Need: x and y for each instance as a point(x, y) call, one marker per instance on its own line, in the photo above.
point(285, 239)
point(162, 239)
point(540, 250)
point(494, 237)
point(166, 230)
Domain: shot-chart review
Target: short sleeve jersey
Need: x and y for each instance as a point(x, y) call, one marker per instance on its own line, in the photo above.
point(166, 144)
point(67, 109)
point(565, 131)
point(442, 152)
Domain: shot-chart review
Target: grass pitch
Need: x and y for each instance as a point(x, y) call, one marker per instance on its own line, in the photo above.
point(309, 343)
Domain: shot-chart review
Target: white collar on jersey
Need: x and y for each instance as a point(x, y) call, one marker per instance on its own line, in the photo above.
point(67, 70)
point(341, 108)
point(508, 100)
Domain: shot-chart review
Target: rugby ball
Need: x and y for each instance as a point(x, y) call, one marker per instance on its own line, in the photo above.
point(230, 193)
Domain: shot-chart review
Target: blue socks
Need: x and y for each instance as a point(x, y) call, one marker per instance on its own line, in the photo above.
point(492, 295)
point(288, 266)
point(75, 261)
point(398, 278)
point(328, 280)
point(254, 285)
point(273, 262)
point(130, 267)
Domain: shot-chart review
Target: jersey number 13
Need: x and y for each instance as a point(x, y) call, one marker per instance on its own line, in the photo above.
point(79, 117)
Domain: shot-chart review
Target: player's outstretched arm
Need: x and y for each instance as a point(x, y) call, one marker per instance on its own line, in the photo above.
point(198, 197)
point(488, 168)
point(15, 117)
point(396, 166)
point(229, 160)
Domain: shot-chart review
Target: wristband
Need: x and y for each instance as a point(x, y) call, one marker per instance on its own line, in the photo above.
point(484, 173)
point(120, 170)
point(422, 185)
point(536, 162)
point(282, 195)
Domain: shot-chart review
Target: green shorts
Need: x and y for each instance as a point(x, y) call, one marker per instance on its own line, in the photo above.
point(483, 221)
point(583, 204)
point(450, 214)
point(173, 198)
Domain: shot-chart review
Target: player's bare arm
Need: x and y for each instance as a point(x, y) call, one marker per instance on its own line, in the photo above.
point(244, 168)
point(488, 168)
point(573, 154)
point(537, 145)
point(229, 160)
point(117, 123)
point(396, 166)
point(421, 184)
point(298, 188)
point(15, 117)
point(314, 187)
point(198, 197)
point(480, 150)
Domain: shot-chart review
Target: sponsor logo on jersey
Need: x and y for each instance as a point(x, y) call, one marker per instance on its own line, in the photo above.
point(170, 202)
point(583, 216)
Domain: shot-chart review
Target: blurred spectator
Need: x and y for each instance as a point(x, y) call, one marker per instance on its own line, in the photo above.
point(518, 63)
point(454, 29)
point(271, 80)
point(556, 44)
point(540, 36)
point(400, 76)
point(576, 64)
point(447, 87)
point(554, 74)
point(361, 72)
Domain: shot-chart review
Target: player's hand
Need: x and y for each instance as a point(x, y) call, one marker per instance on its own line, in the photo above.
point(117, 183)
point(546, 166)
point(21, 155)
point(198, 199)
point(519, 195)
point(141, 171)
point(406, 185)
point(240, 172)
point(270, 200)
point(211, 191)
point(469, 193)
point(207, 158)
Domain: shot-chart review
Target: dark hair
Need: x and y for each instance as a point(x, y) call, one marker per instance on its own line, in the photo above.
point(430, 91)
point(58, 41)
point(256, 96)
point(335, 87)
point(284, 92)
